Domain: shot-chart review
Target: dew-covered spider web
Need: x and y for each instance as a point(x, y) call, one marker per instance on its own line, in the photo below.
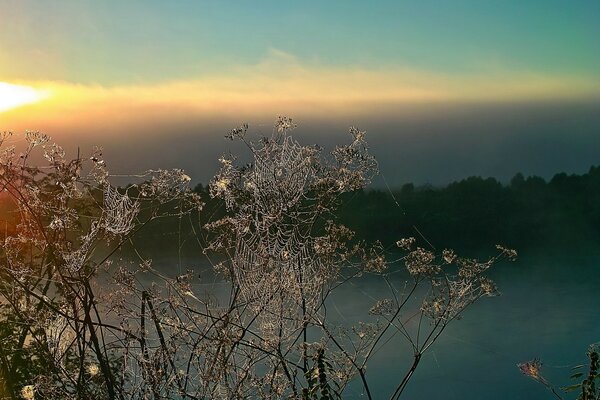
point(119, 211)
point(274, 254)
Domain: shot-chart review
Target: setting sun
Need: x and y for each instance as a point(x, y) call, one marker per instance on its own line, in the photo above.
point(13, 96)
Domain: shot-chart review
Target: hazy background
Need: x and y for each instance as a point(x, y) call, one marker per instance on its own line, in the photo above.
point(445, 89)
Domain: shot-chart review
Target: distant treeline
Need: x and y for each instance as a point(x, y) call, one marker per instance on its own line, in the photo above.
point(475, 212)
point(478, 212)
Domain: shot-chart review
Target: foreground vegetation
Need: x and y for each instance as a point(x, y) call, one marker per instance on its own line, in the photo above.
point(79, 321)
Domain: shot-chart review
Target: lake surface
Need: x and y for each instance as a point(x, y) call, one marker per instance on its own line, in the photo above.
point(548, 308)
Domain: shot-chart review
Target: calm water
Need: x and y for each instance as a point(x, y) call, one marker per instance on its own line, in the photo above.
point(547, 309)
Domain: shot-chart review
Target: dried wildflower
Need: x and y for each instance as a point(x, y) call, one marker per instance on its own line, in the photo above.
point(284, 124)
point(435, 308)
point(509, 253)
point(420, 262)
point(365, 331)
point(226, 161)
point(222, 184)
point(54, 153)
point(49, 273)
point(237, 133)
point(469, 268)
point(488, 287)
point(376, 264)
point(93, 369)
point(449, 256)
point(36, 138)
point(532, 369)
point(406, 243)
point(5, 135)
point(28, 392)
point(185, 178)
point(358, 135)
point(383, 307)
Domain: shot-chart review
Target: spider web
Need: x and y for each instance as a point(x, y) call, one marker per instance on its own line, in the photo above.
point(275, 254)
point(280, 175)
point(119, 211)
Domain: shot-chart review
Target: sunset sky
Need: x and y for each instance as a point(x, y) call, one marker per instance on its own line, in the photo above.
point(445, 89)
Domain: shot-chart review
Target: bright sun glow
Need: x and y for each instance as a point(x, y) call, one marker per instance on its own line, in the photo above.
point(13, 96)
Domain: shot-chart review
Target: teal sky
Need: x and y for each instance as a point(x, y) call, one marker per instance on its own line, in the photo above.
point(115, 42)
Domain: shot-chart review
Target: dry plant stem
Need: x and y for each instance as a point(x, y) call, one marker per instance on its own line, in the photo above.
point(554, 392)
point(5, 373)
point(390, 321)
point(148, 373)
point(108, 377)
point(398, 392)
point(165, 348)
point(359, 369)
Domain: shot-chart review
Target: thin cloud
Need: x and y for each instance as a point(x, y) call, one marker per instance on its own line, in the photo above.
point(282, 84)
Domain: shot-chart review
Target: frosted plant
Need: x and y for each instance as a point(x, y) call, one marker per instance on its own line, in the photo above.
point(36, 138)
point(276, 203)
point(109, 324)
point(285, 255)
point(65, 222)
point(54, 154)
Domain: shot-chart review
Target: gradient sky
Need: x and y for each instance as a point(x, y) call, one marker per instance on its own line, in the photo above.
point(446, 89)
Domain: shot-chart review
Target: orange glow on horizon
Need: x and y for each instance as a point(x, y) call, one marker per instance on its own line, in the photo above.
point(279, 84)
